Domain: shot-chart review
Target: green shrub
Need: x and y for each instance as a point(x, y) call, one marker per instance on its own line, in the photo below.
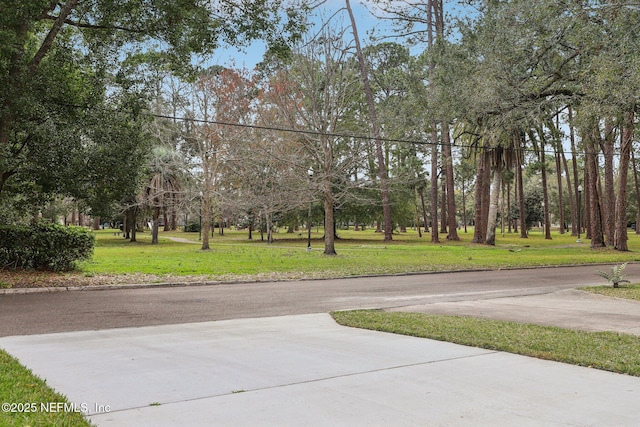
point(44, 246)
point(192, 227)
point(615, 277)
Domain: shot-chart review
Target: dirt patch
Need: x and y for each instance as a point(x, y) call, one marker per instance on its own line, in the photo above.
point(43, 279)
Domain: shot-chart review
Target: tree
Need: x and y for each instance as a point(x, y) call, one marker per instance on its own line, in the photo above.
point(59, 60)
point(500, 153)
point(423, 22)
point(434, 133)
point(165, 188)
point(519, 160)
point(223, 99)
point(382, 168)
point(517, 57)
point(522, 63)
point(637, 190)
point(542, 162)
point(317, 95)
point(620, 236)
point(592, 192)
point(534, 213)
point(268, 171)
point(464, 175)
point(612, 83)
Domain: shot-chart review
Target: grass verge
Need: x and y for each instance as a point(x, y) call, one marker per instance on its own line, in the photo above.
point(624, 291)
point(359, 253)
point(233, 257)
point(28, 401)
point(608, 351)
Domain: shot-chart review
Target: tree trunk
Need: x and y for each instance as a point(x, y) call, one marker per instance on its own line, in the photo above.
point(329, 231)
point(600, 196)
point(586, 213)
point(486, 194)
point(609, 199)
point(451, 195)
point(269, 222)
point(206, 221)
point(174, 213)
point(261, 227)
point(125, 226)
point(515, 193)
point(131, 223)
point(545, 191)
point(560, 191)
point(384, 187)
point(329, 202)
point(434, 187)
point(515, 196)
point(558, 150)
point(417, 213)
point(509, 207)
point(620, 240)
point(167, 224)
point(574, 165)
point(635, 180)
point(572, 201)
point(478, 233)
point(502, 186)
point(443, 206)
point(431, 9)
point(174, 220)
point(520, 190)
point(595, 221)
point(424, 211)
point(464, 207)
point(155, 222)
point(493, 206)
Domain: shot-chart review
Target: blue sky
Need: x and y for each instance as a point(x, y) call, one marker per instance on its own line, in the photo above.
point(251, 55)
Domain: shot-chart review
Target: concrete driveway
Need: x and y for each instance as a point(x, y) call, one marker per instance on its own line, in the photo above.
point(305, 370)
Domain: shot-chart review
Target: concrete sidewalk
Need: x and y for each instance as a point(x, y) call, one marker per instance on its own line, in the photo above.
point(567, 308)
point(308, 371)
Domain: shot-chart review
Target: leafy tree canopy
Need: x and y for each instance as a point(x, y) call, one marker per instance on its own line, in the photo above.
point(61, 62)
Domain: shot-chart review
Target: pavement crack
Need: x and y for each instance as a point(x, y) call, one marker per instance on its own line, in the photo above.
point(294, 383)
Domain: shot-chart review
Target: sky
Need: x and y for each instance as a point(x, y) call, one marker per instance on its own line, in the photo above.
point(249, 57)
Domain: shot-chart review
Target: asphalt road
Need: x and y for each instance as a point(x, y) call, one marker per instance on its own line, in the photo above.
point(48, 312)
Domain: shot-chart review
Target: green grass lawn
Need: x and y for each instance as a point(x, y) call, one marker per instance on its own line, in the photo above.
point(359, 253)
point(631, 291)
point(28, 401)
point(233, 256)
point(608, 351)
point(601, 350)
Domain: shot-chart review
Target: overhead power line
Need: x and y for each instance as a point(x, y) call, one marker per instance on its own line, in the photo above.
point(337, 135)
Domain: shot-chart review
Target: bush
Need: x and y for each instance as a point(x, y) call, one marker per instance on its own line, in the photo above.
point(192, 227)
point(44, 246)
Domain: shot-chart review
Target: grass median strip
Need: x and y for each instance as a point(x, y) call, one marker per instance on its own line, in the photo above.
point(624, 291)
point(28, 401)
point(608, 351)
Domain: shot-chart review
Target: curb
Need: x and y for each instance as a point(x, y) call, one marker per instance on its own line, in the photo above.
point(18, 291)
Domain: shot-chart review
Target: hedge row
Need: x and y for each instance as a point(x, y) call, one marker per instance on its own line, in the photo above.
point(44, 246)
